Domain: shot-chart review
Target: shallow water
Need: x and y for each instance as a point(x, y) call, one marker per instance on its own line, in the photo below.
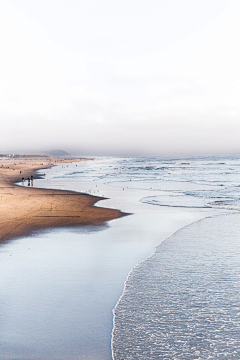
point(59, 287)
point(183, 302)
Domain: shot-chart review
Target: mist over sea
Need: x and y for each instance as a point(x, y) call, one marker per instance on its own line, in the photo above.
point(180, 300)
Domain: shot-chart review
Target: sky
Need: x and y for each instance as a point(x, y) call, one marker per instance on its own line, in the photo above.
point(129, 77)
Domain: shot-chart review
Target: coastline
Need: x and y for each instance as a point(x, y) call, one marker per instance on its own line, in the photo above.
point(25, 209)
point(64, 283)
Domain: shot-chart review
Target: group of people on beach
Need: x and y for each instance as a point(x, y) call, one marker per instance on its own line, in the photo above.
point(29, 180)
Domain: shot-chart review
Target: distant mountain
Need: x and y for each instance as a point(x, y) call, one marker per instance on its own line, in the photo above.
point(57, 153)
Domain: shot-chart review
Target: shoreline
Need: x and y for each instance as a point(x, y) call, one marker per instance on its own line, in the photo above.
point(87, 273)
point(25, 209)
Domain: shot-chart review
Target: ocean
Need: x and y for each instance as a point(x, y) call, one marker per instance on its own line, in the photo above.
point(160, 283)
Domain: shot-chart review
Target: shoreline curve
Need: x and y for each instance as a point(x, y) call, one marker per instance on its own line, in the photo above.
point(26, 209)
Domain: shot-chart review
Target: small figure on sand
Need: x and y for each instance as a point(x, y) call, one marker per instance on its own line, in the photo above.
point(28, 181)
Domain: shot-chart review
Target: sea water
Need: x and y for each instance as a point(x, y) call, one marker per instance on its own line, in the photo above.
point(183, 302)
point(59, 287)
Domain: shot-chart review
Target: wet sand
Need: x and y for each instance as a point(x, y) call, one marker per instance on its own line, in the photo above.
point(24, 209)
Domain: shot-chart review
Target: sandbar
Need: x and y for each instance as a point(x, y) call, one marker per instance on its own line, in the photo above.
point(25, 209)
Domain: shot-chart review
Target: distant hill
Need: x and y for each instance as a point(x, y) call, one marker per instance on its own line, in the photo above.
point(57, 153)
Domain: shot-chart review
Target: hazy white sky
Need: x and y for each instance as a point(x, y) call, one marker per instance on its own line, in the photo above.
point(120, 77)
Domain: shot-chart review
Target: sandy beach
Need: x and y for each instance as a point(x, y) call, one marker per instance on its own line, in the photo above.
point(25, 209)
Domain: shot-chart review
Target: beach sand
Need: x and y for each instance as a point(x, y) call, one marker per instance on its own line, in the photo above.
point(25, 209)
